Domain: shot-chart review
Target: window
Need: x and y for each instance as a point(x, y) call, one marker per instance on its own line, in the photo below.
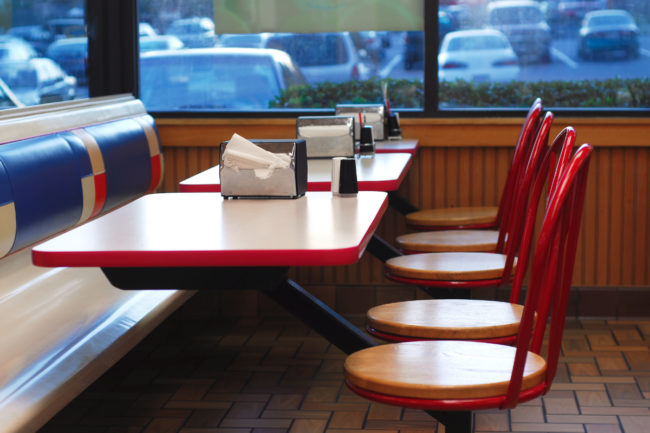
point(302, 46)
point(587, 54)
point(43, 55)
point(483, 50)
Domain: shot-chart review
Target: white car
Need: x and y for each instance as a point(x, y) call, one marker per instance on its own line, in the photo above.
point(477, 55)
point(322, 56)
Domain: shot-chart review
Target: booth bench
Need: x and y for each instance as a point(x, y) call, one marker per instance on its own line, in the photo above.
point(61, 328)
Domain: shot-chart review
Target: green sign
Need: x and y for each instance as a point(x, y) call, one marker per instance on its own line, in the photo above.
point(309, 16)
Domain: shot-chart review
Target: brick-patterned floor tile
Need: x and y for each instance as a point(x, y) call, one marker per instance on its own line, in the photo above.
point(492, 422)
point(560, 406)
point(274, 375)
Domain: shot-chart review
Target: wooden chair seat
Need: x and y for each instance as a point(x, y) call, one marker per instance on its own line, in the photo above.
point(449, 241)
point(475, 217)
point(440, 370)
point(448, 266)
point(446, 319)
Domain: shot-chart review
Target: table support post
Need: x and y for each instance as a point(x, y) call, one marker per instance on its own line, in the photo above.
point(381, 249)
point(327, 322)
point(400, 204)
point(455, 422)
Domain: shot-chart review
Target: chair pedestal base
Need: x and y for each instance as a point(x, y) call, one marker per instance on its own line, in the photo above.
point(455, 422)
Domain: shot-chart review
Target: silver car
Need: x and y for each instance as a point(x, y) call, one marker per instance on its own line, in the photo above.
point(524, 24)
point(211, 79)
point(322, 56)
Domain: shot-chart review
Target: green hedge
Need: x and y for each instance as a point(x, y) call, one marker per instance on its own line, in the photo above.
point(613, 93)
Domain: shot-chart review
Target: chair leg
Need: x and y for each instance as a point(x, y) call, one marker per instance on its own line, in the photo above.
point(455, 422)
point(439, 293)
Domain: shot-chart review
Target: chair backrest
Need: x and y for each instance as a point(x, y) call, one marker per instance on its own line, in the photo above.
point(509, 240)
point(551, 166)
point(551, 273)
point(519, 157)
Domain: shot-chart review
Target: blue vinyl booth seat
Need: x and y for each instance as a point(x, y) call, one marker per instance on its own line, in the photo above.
point(53, 183)
point(61, 165)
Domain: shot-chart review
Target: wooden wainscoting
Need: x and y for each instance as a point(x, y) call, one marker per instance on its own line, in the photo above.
point(464, 162)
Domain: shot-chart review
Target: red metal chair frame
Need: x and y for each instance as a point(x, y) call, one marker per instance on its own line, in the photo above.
point(510, 231)
point(552, 270)
point(551, 166)
point(521, 153)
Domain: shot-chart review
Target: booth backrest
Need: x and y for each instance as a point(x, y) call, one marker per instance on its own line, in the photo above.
point(60, 165)
point(58, 169)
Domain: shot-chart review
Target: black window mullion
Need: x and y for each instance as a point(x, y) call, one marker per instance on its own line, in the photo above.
point(430, 78)
point(112, 47)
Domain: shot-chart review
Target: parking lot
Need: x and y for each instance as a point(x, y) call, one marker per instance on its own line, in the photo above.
point(565, 63)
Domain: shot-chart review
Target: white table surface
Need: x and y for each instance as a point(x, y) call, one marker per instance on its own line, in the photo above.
point(378, 172)
point(203, 229)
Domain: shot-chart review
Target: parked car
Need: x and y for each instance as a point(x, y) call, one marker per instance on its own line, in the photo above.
point(477, 55)
point(243, 40)
point(322, 56)
point(67, 27)
point(611, 31)
point(7, 98)
point(72, 55)
point(414, 40)
point(566, 12)
point(215, 78)
point(413, 54)
point(146, 29)
point(523, 23)
point(37, 36)
point(160, 42)
point(43, 81)
point(15, 53)
point(371, 43)
point(196, 32)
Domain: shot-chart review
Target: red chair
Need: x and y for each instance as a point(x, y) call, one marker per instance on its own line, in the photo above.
point(482, 217)
point(469, 270)
point(450, 379)
point(471, 319)
point(470, 240)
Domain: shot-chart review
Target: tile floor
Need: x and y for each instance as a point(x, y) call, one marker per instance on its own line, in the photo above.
point(274, 375)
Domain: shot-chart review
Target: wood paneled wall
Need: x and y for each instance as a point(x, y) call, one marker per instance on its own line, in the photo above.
point(464, 162)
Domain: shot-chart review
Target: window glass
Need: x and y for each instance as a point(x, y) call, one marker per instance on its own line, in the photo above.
point(298, 47)
point(572, 53)
point(44, 51)
point(489, 54)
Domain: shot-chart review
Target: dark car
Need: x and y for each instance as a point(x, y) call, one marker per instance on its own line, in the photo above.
point(72, 55)
point(566, 12)
point(414, 40)
point(215, 78)
point(524, 24)
point(611, 31)
point(36, 35)
point(66, 27)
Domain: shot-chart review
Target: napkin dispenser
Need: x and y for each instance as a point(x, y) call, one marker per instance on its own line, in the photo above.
point(372, 114)
point(288, 182)
point(327, 136)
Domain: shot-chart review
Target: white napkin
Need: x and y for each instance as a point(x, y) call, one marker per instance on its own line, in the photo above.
point(242, 153)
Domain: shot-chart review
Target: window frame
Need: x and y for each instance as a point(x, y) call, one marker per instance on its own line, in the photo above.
point(113, 68)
